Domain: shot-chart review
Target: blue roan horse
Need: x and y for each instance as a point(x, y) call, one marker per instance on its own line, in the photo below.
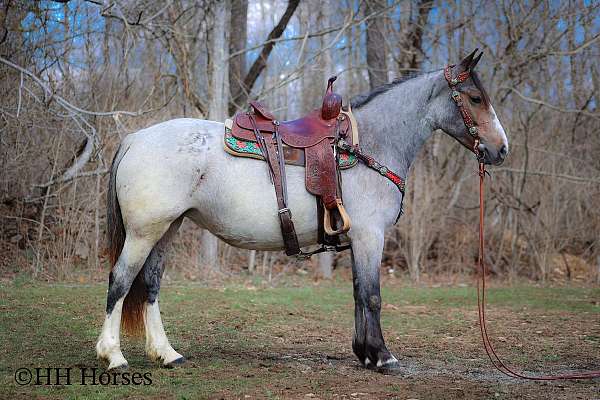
point(179, 169)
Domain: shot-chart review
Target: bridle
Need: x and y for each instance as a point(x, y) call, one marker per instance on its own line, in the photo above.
point(472, 129)
point(471, 126)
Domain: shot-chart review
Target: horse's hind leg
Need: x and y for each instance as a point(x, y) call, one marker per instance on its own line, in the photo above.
point(157, 344)
point(133, 255)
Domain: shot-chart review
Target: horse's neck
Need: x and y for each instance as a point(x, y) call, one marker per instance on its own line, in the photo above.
point(394, 125)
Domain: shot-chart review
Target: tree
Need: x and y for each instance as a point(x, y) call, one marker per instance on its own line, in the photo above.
point(376, 55)
point(411, 47)
point(237, 44)
point(240, 97)
point(219, 88)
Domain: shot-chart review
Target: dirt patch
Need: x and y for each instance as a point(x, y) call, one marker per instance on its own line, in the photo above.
point(295, 342)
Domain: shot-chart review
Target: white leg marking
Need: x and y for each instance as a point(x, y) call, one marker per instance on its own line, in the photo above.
point(108, 346)
point(386, 362)
point(157, 344)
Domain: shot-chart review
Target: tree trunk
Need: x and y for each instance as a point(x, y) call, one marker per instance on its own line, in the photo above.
point(261, 61)
point(219, 67)
point(251, 261)
point(412, 43)
point(218, 96)
point(237, 42)
point(376, 62)
point(325, 265)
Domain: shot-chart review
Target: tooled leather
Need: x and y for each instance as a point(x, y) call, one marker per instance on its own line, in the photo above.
point(320, 173)
point(301, 133)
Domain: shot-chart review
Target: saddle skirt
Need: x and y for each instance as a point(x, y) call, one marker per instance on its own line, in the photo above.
point(242, 145)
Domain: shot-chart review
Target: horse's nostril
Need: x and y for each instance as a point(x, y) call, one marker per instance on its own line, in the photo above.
point(503, 151)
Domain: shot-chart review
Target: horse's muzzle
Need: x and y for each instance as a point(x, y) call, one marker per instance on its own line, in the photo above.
point(493, 156)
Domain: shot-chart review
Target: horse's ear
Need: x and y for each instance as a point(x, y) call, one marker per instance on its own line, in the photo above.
point(475, 61)
point(465, 64)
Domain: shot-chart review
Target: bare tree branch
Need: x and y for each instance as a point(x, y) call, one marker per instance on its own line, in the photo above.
point(551, 106)
point(51, 95)
point(64, 179)
point(75, 113)
point(322, 32)
point(550, 174)
point(113, 5)
point(261, 61)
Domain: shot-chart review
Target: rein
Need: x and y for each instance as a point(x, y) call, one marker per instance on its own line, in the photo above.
point(489, 349)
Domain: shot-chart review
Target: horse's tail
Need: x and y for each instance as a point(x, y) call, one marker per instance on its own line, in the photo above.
point(132, 318)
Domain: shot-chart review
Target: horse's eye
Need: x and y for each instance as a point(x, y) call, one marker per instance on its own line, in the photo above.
point(475, 99)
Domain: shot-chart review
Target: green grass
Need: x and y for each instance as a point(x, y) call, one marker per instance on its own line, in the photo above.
point(232, 333)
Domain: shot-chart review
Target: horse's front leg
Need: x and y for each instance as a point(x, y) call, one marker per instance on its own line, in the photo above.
point(368, 343)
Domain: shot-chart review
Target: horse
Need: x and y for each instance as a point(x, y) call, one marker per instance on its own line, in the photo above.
point(178, 169)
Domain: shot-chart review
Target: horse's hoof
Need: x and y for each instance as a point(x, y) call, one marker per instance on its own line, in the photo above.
point(176, 363)
point(390, 368)
point(122, 367)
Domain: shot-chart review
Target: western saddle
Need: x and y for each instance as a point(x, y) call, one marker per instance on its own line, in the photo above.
point(309, 141)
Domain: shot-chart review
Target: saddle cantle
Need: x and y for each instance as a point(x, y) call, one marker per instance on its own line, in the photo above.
point(309, 141)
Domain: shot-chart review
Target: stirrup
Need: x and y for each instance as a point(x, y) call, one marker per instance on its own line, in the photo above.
point(337, 248)
point(327, 220)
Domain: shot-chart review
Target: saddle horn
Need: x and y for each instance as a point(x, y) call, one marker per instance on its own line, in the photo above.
point(332, 102)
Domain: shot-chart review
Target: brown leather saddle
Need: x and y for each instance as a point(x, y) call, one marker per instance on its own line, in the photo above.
point(315, 135)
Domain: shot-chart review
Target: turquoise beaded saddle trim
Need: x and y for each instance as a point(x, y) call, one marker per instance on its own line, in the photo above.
point(244, 148)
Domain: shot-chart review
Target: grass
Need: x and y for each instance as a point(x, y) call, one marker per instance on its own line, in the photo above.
point(292, 341)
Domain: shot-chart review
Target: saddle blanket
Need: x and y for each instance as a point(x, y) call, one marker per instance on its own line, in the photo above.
point(293, 156)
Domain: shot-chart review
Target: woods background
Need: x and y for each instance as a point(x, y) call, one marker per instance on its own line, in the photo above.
point(77, 76)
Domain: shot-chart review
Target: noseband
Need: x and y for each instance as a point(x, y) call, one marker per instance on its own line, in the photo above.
point(466, 116)
point(489, 349)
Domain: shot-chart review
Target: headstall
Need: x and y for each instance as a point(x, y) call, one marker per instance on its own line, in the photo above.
point(453, 82)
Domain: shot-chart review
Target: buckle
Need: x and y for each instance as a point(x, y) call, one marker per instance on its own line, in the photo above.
point(303, 256)
point(285, 210)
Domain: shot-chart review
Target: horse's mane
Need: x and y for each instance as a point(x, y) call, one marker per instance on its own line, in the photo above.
point(363, 99)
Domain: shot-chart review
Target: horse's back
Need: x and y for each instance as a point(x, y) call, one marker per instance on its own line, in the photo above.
point(161, 165)
point(177, 131)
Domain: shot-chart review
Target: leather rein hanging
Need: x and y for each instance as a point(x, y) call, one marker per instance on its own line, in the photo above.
point(489, 349)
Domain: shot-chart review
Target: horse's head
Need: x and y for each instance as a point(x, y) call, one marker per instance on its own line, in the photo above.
point(468, 115)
